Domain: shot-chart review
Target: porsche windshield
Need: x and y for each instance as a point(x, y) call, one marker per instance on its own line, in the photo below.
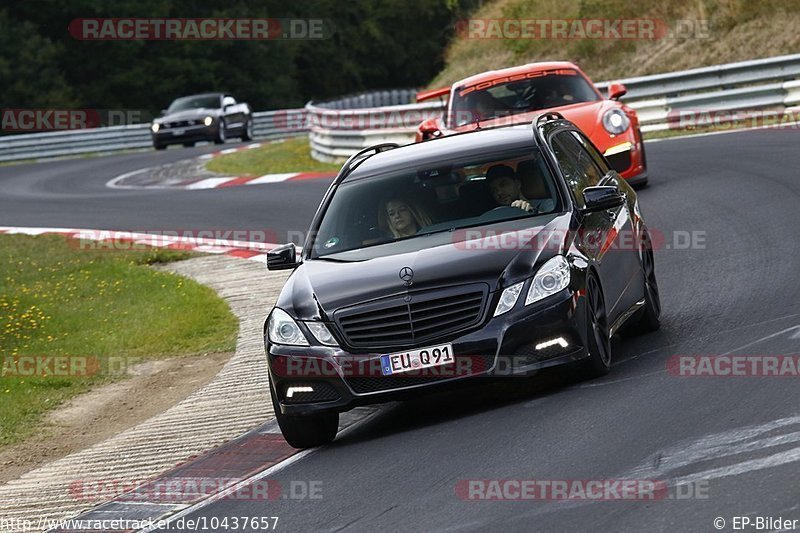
point(415, 203)
point(519, 96)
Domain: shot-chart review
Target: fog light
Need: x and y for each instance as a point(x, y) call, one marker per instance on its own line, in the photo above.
point(291, 390)
point(546, 344)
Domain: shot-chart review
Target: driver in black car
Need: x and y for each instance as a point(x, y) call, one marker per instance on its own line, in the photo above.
point(506, 188)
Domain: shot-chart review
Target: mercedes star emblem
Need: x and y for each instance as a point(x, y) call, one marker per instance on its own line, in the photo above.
point(406, 274)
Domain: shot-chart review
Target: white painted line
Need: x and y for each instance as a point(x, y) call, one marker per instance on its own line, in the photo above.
point(272, 178)
point(762, 339)
point(245, 482)
point(228, 151)
point(209, 183)
point(114, 183)
point(33, 231)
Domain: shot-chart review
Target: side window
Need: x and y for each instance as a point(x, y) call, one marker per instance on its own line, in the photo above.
point(577, 165)
point(598, 159)
point(228, 100)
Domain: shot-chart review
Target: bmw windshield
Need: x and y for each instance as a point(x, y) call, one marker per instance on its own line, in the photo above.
point(414, 204)
point(500, 98)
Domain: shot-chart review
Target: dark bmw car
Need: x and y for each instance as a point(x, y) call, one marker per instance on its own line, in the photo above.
point(486, 254)
point(202, 117)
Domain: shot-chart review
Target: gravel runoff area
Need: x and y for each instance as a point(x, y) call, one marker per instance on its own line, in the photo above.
point(235, 401)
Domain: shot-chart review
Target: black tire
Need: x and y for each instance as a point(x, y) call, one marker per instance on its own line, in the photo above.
point(220, 138)
point(247, 133)
point(648, 318)
point(159, 146)
point(306, 431)
point(598, 340)
point(188, 144)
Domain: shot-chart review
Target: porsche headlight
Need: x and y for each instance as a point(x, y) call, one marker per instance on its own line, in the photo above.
point(508, 298)
point(322, 333)
point(208, 121)
point(615, 121)
point(282, 329)
point(155, 127)
point(552, 277)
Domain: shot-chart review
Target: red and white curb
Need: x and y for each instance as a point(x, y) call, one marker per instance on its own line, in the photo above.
point(216, 183)
point(126, 240)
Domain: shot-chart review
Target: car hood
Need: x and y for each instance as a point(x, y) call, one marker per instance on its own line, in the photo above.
point(585, 115)
point(188, 114)
point(498, 257)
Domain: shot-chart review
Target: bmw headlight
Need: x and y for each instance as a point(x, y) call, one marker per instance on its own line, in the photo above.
point(322, 333)
point(282, 329)
point(155, 127)
point(552, 277)
point(508, 298)
point(208, 121)
point(615, 121)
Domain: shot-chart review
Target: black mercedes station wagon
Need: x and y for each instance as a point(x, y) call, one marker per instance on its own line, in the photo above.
point(486, 254)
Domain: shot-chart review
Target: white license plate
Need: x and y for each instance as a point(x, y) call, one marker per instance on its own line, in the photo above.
point(397, 363)
point(178, 132)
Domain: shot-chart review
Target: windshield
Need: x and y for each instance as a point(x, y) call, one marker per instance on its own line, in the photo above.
point(194, 102)
point(542, 90)
point(420, 201)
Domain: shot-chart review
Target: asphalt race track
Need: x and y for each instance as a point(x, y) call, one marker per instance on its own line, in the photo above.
point(733, 441)
point(72, 193)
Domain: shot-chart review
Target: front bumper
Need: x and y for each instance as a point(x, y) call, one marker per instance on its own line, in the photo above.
point(165, 136)
point(501, 347)
point(626, 156)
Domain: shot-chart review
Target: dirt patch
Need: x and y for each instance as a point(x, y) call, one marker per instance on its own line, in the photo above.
point(153, 387)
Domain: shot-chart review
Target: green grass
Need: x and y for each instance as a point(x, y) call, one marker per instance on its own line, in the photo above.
point(291, 155)
point(58, 300)
point(737, 30)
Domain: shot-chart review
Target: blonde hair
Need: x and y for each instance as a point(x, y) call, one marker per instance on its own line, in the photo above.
point(421, 218)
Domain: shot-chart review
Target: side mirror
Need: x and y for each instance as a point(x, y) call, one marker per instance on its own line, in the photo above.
point(427, 130)
point(601, 197)
point(616, 90)
point(283, 257)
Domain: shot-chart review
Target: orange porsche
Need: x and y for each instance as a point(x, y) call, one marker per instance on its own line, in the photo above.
point(518, 94)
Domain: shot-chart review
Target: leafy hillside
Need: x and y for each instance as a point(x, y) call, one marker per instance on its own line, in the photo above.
point(737, 30)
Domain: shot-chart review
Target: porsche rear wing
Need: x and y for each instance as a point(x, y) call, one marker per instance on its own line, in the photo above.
point(433, 93)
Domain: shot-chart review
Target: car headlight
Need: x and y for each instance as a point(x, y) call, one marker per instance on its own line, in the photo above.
point(282, 329)
point(552, 277)
point(508, 298)
point(615, 121)
point(322, 333)
point(208, 121)
point(155, 127)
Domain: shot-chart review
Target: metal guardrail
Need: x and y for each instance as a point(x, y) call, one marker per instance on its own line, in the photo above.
point(340, 127)
point(266, 125)
point(661, 102)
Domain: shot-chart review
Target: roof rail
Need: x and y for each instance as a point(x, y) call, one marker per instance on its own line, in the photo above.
point(349, 165)
point(549, 115)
